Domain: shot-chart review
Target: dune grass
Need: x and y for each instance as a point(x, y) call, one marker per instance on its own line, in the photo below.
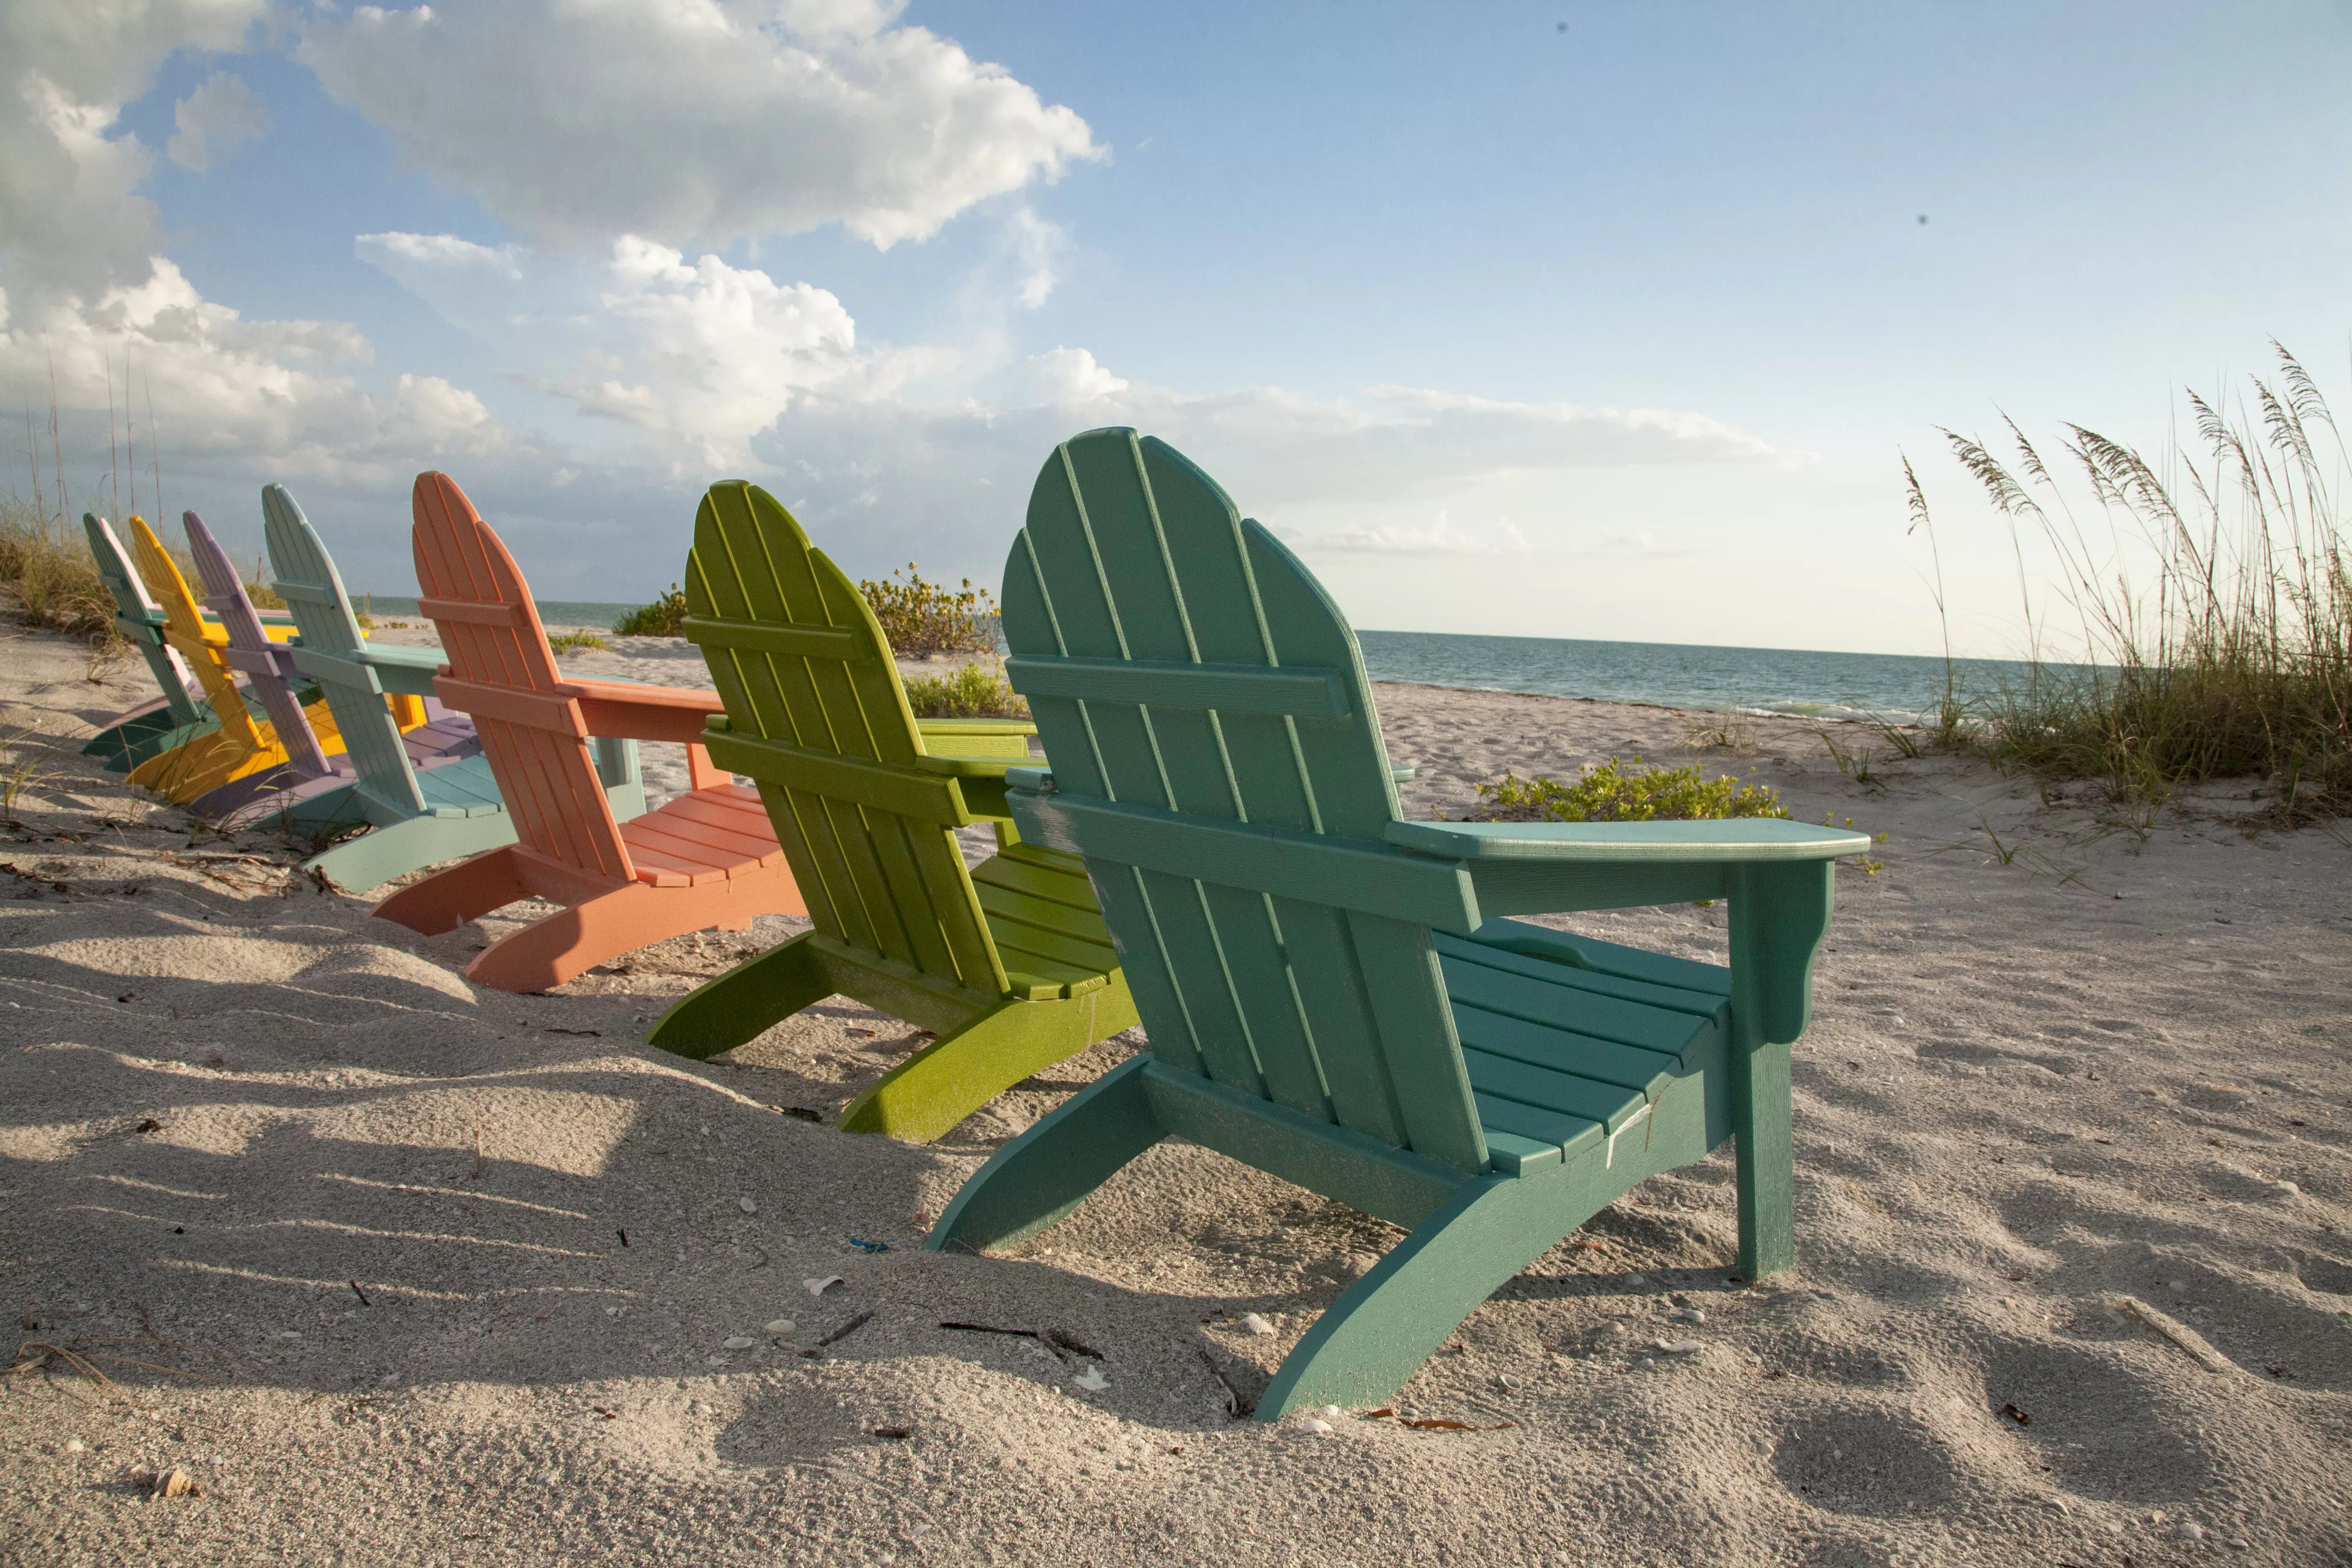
point(2209, 592)
point(48, 567)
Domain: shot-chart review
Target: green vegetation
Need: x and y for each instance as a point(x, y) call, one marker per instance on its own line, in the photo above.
point(1614, 792)
point(48, 567)
point(974, 691)
point(665, 617)
point(571, 642)
point(923, 620)
point(2213, 603)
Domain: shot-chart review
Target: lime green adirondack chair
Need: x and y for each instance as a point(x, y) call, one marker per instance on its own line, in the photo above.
point(1008, 961)
point(1330, 992)
point(417, 815)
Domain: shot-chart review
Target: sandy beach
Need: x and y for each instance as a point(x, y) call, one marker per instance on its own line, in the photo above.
point(401, 1271)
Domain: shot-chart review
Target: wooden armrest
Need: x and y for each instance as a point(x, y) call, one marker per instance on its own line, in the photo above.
point(623, 710)
point(976, 737)
point(976, 726)
point(405, 670)
point(971, 767)
point(1745, 841)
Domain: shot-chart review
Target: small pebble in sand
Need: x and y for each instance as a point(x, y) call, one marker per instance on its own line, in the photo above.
point(779, 1326)
point(1315, 1424)
point(738, 1342)
point(747, 1205)
point(819, 1286)
point(1681, 1347)
point(1688, 1314)
point(1253, 1324)
point(2190, 1530)
point(545, 1477)
point(73, 1446)
point(1637, 1280)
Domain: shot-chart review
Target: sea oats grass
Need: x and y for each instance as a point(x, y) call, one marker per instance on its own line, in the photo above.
point(2208, 592)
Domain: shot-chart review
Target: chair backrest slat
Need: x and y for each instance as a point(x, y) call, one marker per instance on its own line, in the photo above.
point(137, 615)
point(249, 648)
point(313, 589)
point(183, 628)
point(546, 774)
point(800, 659)
point(1181, 660)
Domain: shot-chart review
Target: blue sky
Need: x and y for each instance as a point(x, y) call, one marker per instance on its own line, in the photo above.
point(1566, 320)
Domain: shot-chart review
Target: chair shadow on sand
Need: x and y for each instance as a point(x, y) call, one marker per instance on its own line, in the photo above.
point(269, 1188)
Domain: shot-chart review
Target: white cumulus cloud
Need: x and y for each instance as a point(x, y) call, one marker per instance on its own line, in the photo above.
point(1440, 537)
point(678, 119)
point(221, 115)
point(696, 356)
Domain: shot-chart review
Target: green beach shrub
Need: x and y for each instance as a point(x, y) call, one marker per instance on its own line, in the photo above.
point(923, 619)
point(571, 642)
point(974, 691)
point(665, 617)
point(1614, 792)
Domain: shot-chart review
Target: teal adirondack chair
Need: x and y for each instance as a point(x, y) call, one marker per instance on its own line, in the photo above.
point(1009, 962)
point(149, 732)
point(417, 815)
point(1336, 995)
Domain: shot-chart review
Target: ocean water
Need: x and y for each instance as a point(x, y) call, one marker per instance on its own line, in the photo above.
point(1896, 688)
point(552, 612)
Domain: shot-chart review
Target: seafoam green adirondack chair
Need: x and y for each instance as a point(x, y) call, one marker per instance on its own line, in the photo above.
point(1332, 994)
point(149, 731)
point(417, 816)
point(1009, 962)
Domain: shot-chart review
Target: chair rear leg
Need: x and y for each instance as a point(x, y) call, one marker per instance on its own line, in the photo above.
point(1048, 1171)
point(572, 941)
point(751, 997)
point(397, 849)
point(1380, 1332)
point(955, 1075)
point(447, 899)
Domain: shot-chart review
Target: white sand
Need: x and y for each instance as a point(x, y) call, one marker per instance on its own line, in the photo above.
point(2113, 1065)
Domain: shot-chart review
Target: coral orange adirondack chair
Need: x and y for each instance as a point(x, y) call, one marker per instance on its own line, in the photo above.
point(706, 859)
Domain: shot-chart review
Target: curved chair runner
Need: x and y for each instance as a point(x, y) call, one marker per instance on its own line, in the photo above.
point(241, 746)
point(178, 715)
point(1009, 962)
point(1330, 994)
point(706, 858)
point(426, 795)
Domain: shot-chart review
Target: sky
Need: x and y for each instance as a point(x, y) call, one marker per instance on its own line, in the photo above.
point(1582, 320)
